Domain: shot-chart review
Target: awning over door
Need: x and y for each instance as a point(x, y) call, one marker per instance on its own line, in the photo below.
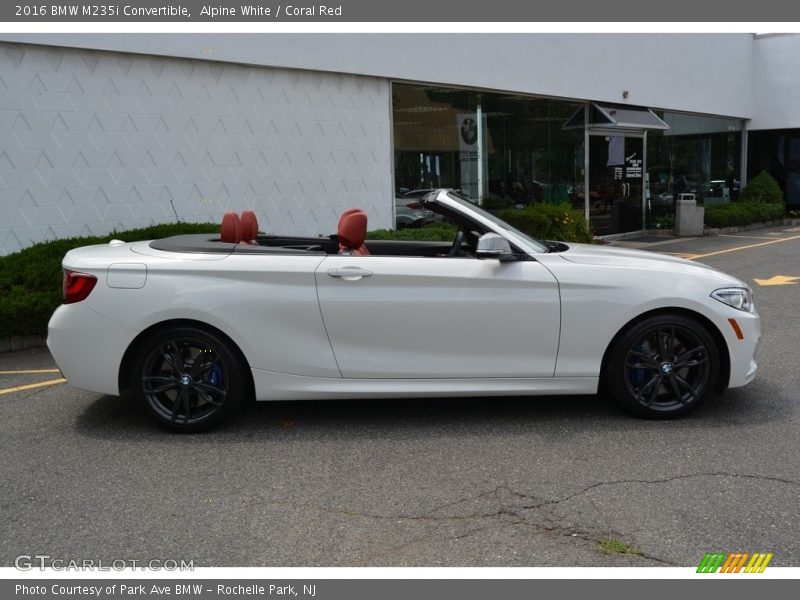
point(615, 116)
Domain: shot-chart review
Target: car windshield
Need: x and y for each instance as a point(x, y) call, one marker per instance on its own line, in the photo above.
point(538, 245)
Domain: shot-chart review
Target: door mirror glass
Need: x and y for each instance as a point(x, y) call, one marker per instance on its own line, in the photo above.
point(491, 245)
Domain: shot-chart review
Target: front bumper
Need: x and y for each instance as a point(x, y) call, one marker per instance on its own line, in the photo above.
point(742, 351)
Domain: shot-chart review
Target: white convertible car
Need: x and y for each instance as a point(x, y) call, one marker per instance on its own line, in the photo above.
point(195, 324)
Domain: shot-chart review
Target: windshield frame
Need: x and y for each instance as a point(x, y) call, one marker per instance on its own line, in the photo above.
point(487, 219)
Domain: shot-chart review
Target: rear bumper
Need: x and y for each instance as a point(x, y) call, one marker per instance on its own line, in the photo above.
point(88, 347)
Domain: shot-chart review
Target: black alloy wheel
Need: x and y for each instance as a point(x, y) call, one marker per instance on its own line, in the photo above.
point(190, 379)
point(663, 367)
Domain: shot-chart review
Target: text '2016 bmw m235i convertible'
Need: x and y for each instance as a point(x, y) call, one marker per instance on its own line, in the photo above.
point(195, 324)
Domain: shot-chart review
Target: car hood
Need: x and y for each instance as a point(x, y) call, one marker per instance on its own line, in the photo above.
point(589, 254)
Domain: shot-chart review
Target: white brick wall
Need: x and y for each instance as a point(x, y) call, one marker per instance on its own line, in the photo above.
point(91, 141)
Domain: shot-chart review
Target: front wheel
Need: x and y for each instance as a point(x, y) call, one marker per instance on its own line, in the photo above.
point(189, 379)
point(663, 367)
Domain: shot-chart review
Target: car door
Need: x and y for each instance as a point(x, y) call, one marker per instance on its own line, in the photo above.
point(426, 317)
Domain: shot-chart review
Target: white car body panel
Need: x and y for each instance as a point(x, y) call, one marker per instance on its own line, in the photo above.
point(426, 317)
point(597, 302)
point(266, 304)
point(416, 327)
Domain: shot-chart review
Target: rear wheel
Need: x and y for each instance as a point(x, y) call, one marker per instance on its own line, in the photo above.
point(663, 367)
point(189, 379)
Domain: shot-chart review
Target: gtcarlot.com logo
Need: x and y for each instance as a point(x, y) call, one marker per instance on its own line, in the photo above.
point(28, 562)
point(735, 562)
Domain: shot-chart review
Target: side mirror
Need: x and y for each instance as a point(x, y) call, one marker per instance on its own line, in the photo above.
point(493, 246)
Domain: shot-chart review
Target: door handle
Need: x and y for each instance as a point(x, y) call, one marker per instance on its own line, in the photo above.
point(349, 273)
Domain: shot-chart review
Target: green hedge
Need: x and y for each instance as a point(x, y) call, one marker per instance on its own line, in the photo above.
point(738, 214)
point(762, 189)
point(550, 222)
point(543, 221)
point(435, 232)
point(31, 279)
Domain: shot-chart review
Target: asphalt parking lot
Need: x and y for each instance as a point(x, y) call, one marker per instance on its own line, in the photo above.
point(457, 482)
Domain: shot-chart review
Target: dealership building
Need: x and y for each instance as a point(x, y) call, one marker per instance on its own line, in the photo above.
point(101, 132)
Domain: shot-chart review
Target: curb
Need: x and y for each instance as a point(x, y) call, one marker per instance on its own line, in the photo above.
point(710, 231)
point(21, 342)
point(751, 227)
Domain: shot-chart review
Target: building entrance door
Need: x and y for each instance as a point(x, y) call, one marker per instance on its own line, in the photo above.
point(616, 181)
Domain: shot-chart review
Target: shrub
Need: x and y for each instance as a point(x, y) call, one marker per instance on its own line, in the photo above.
point(494, 203)
point(739, 214)
point(664, 222)
point(763, 189)
point(434, 232)
point(30, 280)
point(550, 222)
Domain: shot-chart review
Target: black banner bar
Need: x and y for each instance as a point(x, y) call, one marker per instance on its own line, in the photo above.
point(338, 11)
point(418, 589)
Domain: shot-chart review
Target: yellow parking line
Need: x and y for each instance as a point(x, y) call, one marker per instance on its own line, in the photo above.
point(795, 237)
point(747, 237)
point(686, 255)
point(29, 371)
point(31, 386)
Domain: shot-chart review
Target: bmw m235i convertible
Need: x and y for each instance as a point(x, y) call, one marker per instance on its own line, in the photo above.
point(195, 324)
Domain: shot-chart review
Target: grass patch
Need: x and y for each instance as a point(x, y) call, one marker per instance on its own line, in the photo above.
point(614, 546)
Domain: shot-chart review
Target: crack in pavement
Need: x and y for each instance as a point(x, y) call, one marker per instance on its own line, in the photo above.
point(671, 479)
point(430, 514)
point(548, 522)
point(509, 515)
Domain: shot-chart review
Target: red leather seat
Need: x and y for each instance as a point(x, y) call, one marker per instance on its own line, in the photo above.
point(352, 232)
point(231, 231)
point(249, 227)
point(349, 211)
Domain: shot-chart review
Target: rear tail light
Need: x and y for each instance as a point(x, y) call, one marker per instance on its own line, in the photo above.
point(414, 205)
point(77, 286)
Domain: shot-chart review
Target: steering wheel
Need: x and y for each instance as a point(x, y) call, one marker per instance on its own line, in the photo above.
point(455, 249)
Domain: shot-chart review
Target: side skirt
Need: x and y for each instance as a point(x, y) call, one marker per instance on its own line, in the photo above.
point(280, 386)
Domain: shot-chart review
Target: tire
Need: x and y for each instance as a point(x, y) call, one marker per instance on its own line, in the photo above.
point(662, 367)
point(189, 379)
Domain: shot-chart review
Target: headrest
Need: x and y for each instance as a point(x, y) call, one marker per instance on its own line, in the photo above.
point(249, 225)
point(349, 211)
point(231, 231)
point(352, 228)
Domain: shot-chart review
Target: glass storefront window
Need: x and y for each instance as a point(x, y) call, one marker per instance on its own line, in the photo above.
point(503, 150)
point(698, 154)
point(498, 150)
point(777, 152)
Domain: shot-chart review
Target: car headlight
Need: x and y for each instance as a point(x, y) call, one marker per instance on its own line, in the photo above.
point(738, 298)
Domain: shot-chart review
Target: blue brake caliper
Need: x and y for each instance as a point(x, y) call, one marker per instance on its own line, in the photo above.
point(637, 376)
point(214, 376)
